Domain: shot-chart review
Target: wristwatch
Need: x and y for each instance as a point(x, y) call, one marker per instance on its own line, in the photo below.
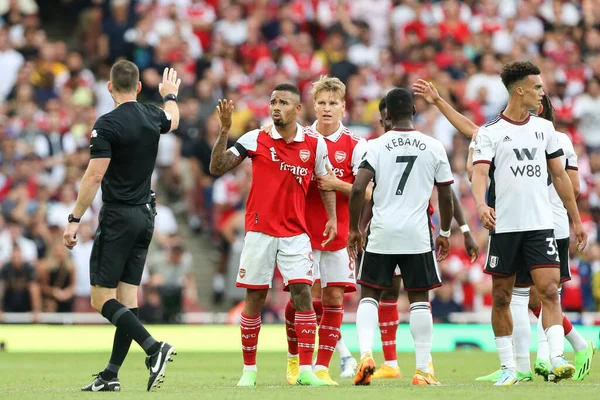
point(73, 219)
point(169, 97)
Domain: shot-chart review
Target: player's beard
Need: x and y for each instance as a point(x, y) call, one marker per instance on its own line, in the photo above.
point(279, 122)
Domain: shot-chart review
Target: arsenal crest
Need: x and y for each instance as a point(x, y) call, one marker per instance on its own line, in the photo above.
point(493, 261)
point(304, 155)
point(242, 273)
point(340, 156)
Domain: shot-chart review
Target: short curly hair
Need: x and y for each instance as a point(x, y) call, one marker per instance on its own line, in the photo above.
point(516, 71)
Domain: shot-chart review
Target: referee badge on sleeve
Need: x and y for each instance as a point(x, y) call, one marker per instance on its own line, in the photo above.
point(493, 261)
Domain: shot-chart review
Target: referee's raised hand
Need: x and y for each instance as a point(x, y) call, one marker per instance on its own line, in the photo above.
point(170, 83)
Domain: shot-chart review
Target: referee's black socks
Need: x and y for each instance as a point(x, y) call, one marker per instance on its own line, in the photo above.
point(121, 344)
point(121, 317)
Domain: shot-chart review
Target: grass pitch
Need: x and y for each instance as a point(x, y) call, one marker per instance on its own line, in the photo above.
point(203, 375)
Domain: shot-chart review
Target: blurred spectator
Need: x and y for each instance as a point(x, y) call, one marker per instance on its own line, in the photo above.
point(171, 273)
point(19, 285)
point(57, 279)
point(151, 311)
point(443, 303)
point(585, 111)
point(13, 237)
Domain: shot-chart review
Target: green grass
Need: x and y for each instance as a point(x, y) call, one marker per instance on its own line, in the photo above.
point(200, 375)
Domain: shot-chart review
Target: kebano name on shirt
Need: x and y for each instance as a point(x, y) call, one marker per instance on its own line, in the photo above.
point(407, 141)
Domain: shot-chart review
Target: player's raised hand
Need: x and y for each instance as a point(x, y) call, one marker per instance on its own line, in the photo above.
point(170, 83)
point(442, 246)
point(426, 90)
point(487, 216)
point(225, 111)
point(354, 244)
point(328, 182)
point(581, 236)
point(471, 246)
point(330, 232)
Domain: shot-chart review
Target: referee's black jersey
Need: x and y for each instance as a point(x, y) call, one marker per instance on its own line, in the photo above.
point(129, 136)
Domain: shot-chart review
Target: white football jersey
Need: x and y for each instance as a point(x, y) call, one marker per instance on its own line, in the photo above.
point(406, 165)
point(517, 154)
point(568, 161)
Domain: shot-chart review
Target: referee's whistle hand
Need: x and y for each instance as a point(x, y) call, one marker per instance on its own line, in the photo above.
point(70, 236)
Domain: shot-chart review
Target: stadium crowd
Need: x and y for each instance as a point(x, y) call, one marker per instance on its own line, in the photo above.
point(53, 89)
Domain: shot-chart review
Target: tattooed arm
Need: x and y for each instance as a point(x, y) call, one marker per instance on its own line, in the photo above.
point(221, 160)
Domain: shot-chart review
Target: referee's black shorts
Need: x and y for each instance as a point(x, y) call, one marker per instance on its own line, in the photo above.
point(121, 245)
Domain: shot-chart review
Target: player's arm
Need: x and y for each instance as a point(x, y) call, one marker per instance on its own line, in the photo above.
point(444, 180)
point(463, 124)
point(221, 160)
point(366, 173)
point(564, 188)
point(563, 185)
point(366, 215)
point(322, 168)
point(572, 167)
point(331, 182)
point(459, 216)
point(574, 179)
point(482, 159)
point(168, 89)
point(446, 198)
point(470, 161)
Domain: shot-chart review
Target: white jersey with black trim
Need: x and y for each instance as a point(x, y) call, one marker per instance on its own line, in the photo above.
point(517, 153)
point(568, 161)
point(406, 164)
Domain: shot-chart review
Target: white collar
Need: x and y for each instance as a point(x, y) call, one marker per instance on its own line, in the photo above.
point(299, 133)
point(335, 136)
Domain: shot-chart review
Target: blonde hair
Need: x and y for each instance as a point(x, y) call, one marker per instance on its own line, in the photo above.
point(328, 84)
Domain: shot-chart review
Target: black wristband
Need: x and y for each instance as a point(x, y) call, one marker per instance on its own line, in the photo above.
point(170, 97)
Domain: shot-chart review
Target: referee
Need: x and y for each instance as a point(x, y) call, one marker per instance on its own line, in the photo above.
point(123, 148)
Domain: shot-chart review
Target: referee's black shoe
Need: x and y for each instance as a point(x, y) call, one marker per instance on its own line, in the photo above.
point(157, 364)
point(102, 385)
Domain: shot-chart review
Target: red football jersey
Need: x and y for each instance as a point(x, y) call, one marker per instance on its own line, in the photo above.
point(281, 173)
point(346, 151)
